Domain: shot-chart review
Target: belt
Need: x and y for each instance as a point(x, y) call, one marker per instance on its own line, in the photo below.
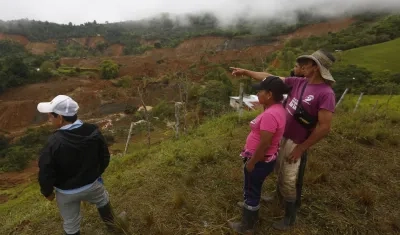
point(246, 155)
point(245, 159)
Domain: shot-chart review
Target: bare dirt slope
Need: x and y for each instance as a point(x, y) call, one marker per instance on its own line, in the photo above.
point(157, 62)
point(40, 48)
point(115, 50)
point(19, 105)
point(11, 179)
point(319, 29)
point(90, 42)
point(98, 97)
point(16, 38)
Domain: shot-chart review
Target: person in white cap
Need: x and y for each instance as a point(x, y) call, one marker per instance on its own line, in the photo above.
point(71, 164)
point(309, 108)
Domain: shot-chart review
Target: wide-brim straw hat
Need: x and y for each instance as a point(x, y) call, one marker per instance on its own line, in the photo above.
point(324, 63)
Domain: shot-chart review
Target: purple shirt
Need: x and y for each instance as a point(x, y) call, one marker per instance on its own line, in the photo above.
point(315, 98)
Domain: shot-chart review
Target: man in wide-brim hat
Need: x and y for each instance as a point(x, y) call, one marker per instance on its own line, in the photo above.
point(309, 108)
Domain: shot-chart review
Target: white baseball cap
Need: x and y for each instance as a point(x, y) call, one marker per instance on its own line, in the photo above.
point(62, 105)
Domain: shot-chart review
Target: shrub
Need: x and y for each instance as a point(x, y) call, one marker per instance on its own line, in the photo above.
point(395, 78)
point(17, 155)
point(67, 71)
point(163, 109)
point(47, 66)
point(17, 158)
point(345, 75)
point(90, 75)
point(3, 142)
point(214, 96)
point(124, 82)
point(109, 69)
point(34, 137)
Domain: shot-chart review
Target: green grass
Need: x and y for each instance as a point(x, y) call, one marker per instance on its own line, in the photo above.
point(378, 103)
point(191, 185)
point(376, 58)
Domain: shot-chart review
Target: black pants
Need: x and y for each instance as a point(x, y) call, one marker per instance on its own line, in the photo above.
point(254, 180)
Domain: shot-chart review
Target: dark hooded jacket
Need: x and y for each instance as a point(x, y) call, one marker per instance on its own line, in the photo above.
point(72, 159)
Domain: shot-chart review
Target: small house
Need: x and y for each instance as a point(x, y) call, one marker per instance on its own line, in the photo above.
point(250, 102)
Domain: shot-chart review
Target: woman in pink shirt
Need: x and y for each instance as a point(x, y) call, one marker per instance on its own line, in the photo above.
point(261, 148)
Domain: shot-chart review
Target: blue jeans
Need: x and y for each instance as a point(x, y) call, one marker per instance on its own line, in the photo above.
point(254, 180)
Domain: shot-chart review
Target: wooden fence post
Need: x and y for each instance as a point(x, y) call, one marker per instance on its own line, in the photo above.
point(358, 102)
point(128, 139)
point(177, 116)
point(241, 100)
point(341, 98)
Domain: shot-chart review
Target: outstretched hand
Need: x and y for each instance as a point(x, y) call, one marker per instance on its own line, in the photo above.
point(237, 71)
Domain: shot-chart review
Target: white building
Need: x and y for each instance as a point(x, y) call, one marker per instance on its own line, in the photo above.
point(250, 102)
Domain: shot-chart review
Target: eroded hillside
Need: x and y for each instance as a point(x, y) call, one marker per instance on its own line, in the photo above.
point(19, 104)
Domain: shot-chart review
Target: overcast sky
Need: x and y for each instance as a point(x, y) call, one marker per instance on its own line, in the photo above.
point(80, 11)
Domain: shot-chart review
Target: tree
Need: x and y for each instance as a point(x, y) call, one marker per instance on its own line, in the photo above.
point(351, 76)
point(17, 158)
point(109, 69)
point(288, 58)
point(157, 45)
point(47, 67)
point(218, 74)
point(15, 66)
point(395, 78)
point(214, 95)
point(101, 46)
point(3, 143)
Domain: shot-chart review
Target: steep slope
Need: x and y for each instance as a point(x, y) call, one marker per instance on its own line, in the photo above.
point(218, 50)
point(378, 57)
point(191, 185)
point(19, 105)
point(320, 29)
point(16, 38)
point(41, 48)
point(37, 48)
point(155, 63)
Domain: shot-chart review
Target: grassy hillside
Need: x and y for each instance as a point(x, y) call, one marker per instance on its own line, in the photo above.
point(191, 185)
point(371, 102)
point(377, 58)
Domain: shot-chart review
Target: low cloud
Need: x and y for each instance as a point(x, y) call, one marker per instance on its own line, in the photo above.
point(227, 12)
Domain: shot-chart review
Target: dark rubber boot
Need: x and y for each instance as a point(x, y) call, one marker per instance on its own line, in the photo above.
point(290, 217)
point(108, 218)
point(247, 225)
